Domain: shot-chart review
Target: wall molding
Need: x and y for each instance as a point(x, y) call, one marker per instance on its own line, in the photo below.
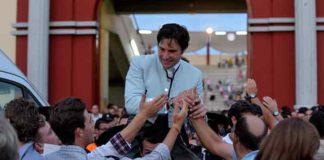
point(271, 28)
point(320, 20)
point(270, 20)
point(276, 24)
point(60, 32)
point(320, 28)
point(70, 28)
point(60, 24)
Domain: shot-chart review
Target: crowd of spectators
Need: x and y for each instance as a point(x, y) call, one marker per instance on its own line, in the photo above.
point(250, 129)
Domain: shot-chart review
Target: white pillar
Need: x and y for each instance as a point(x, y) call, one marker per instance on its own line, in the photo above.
point(38, 34)
point(306, 59)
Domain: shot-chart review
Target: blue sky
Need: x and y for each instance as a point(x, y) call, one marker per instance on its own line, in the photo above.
point(195, 22)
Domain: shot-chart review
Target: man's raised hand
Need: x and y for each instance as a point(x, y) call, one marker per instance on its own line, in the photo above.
point(148, 109)
point(270, 103)
point(251, 86)
point(179, 115)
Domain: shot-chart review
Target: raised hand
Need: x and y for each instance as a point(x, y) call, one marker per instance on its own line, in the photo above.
point(148, 109)
point(188, 96)
point(198, 110)
point(251, 87)
point(270, 103)
point(178, 116)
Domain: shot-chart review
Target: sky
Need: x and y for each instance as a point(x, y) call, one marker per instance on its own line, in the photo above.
point(195, 22)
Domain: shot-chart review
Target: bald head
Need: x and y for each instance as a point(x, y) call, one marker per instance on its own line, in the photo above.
point(255, 125)
point(250, 131)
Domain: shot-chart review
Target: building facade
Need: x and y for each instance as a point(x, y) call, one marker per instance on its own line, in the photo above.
point(85, 37)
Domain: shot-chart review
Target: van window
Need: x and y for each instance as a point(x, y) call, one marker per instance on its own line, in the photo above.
point(30, 98)
point(9, 92)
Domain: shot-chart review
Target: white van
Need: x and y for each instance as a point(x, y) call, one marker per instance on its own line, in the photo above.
point(14, 84)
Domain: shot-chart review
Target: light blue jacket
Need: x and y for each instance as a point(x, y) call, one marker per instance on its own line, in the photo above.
point(147, 75)
point(28, 152)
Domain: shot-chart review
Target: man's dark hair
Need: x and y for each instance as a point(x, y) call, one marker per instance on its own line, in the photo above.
point(320, 108)
point(102, 120)
point(240, 107)
point(317, 119)
point(24, 117)
point(45, 111)
point(66, 116)
point(176, 32)
point(302, 110)
point(153, 135)
point(109, 106)
point(314, 108)
point(246, 138)
point(285, 112)
point(216, 119)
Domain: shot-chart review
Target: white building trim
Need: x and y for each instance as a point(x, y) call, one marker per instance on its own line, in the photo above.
point(60, 32)
point(272, 24)
point(320, 28)
point(271, 28)
point(38, 35)
point(306, 53)
point(270, 20)
point(320, 19)
point(61, 24)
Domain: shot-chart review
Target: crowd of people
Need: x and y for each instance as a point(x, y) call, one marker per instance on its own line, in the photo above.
point(250, 129)
point(164, 118)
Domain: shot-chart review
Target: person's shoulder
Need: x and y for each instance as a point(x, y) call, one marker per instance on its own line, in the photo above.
point(143, 59)
point(190, 67)
point(52, 156)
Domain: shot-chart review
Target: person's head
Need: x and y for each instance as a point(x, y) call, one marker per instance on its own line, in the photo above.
point(248, 133)
point(102, 124)
point(314, 108)
point(95, 109)
point(317, 119)
point(123, 120)
point(291, 139)
point(148, 146)
point(71, 122)
point(45, 135)
point(239, 109)
point(238, 95)
point(8, 140)
point(320, 108)
point(24, 117)
point(151, 138)
point(302, 112)
point(218, 123)
point(285, 112)
point(111, 109)
point(173, 40)
point(120, 111)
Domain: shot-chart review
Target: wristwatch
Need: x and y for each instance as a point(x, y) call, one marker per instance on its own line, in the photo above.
point(275, 113)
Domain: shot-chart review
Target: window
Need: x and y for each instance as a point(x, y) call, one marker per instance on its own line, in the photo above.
point(30, 98)
point(9, 92)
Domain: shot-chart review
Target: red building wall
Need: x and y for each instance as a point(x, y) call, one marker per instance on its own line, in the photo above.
point(73, 71)
point(72, 63)
point(320, 53)
point(271, 59)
